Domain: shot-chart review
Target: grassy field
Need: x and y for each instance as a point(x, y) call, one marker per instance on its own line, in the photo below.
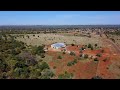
point(48, 39)
point(116, 38)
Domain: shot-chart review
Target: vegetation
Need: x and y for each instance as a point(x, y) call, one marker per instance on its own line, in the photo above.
point(72, 63)
point(63, 52)
point(96, 77)
point(95, 45)
point(105, 59)
point(59, 57)
point(95, 59)
point(89, 45)
point(86, 56)
point(72, 53)
point(66, 75)
point(72, 44)
point(17, 62)
point(81, 55)
point(99, 55)
point(54, 67)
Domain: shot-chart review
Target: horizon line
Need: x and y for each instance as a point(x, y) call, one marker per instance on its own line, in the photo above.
point(55, 24)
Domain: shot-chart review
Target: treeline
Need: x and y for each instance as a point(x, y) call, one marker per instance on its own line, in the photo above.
point(17, 62)
point(115, 33)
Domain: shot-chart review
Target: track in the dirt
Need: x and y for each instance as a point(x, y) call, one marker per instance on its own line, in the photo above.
point(115, 48)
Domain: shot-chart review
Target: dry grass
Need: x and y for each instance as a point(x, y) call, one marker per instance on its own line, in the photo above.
point(52, 38)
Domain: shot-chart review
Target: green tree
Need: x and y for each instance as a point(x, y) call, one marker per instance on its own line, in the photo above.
point(72, 53)
point(59, 57)
point(89, 45)
point(95, 45)
point(99, 55)
point(95, 59)
point(46, 74)
point(43, 66)
point(72, 44)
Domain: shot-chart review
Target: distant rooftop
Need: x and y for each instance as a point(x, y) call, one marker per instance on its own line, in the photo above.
point(59, 45)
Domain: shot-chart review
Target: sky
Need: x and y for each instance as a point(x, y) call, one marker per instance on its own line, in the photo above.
point(59, 17)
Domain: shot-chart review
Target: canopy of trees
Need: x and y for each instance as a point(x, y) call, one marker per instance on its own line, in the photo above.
point(16, 62)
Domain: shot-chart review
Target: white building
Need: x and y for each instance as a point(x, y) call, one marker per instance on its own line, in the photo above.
point(58, 45)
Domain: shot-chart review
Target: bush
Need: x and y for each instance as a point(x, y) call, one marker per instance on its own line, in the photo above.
point(85, 56)
point(72, 44)
point(70, 64)
point(63, 52)
point(43, 66)
point(80, 55)
point(95, 59)
point(86, 46)
point(97, 77)
point(75, 61)
point(54, 67)
point(42, 55)
point(105, 59)
point(59, 57)
point(95, 45)
point(80, 52)
point(99, 55)
point(89, 45)
point(66, 75)
point(46, 74)
point(72, 53)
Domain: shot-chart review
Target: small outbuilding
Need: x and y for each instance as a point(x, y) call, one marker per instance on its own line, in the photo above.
point(58, 45)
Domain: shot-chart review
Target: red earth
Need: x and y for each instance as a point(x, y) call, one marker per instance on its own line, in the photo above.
point(84, 69)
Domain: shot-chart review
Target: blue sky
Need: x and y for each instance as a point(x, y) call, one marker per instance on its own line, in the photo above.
point(59, 17)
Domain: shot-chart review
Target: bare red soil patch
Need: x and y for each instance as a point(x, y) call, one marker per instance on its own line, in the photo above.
point(85, 70)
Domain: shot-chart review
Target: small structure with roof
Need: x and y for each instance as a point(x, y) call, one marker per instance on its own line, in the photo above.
point(58, 45)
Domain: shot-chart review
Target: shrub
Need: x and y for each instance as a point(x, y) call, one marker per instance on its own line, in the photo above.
point(89, 45)
point(95, 59)
point(66, 75)
point(75, 61)
point(42, 55)
point(72, 62)
point(83, 48)
point(44, 65)
point(63, 52)
point(72, 53)
point(54, 67)
point(72, 44)
point(97, 77)
point(105, 59)
point(69, 64)
point(99, 55)
point(46, 74)
point(59, 57)
point(95, 45)
point(86, 46)
point(80, 55)
point(85, 56)
point(80, 51)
